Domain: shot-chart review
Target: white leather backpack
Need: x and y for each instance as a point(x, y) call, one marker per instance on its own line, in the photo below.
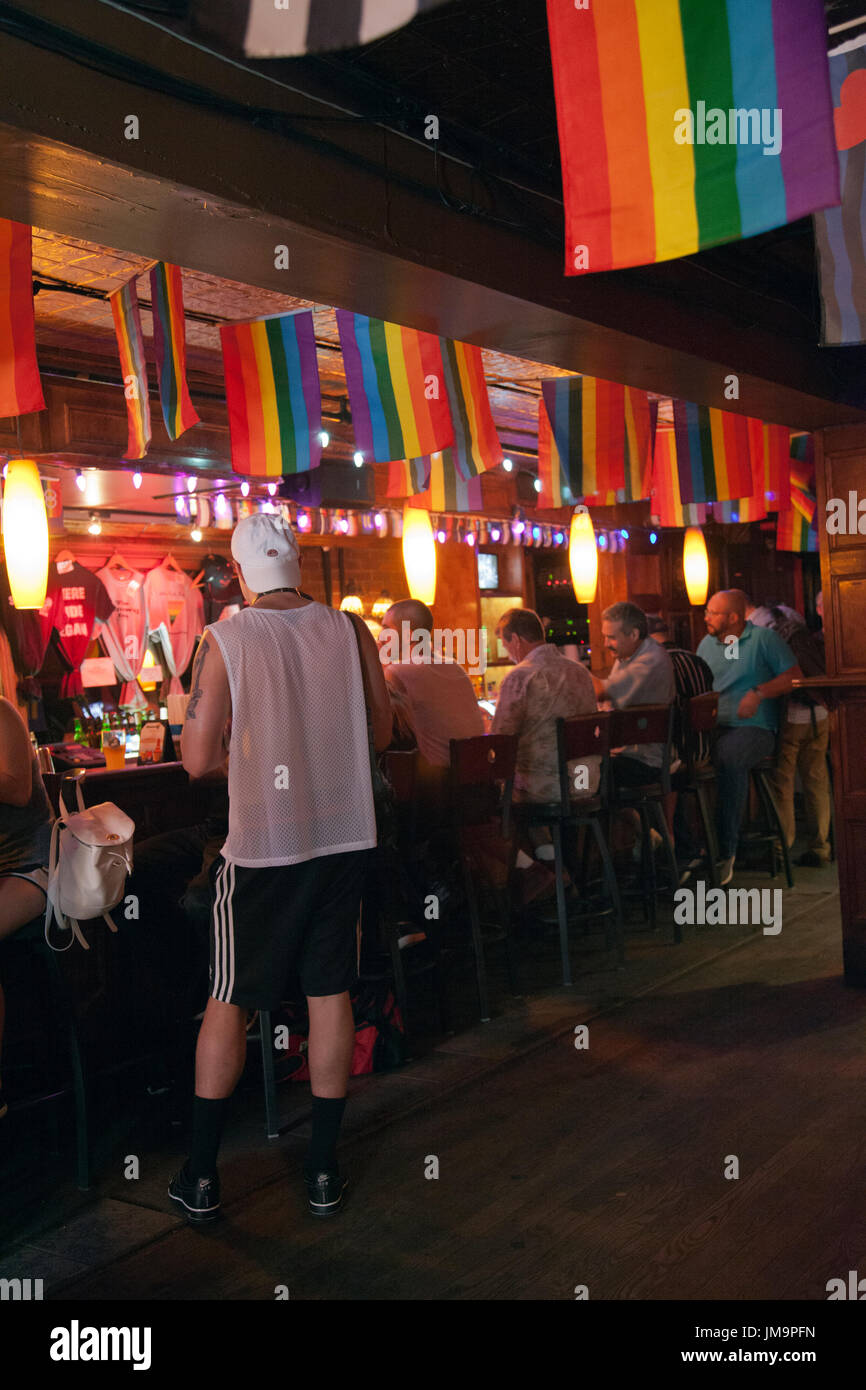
point(88, 862)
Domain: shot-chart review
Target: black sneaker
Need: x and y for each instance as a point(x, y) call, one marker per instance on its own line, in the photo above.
point(325, 1193)
point(200, 1199)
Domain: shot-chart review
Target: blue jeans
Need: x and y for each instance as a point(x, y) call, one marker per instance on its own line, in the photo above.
point(737, 750)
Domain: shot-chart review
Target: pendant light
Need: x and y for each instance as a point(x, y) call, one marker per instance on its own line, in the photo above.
point(696, 566)
point(419, 554)
point(25, 534)
point(583, 556)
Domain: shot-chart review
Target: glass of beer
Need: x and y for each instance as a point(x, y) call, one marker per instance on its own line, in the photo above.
point(114, 749)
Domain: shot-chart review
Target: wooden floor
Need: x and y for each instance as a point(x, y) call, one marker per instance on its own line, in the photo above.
point(603, 1167)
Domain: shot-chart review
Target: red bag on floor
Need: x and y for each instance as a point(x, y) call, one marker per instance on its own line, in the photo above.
point(379, 1044)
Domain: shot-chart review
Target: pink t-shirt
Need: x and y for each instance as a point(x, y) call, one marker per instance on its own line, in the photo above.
point(438, 703)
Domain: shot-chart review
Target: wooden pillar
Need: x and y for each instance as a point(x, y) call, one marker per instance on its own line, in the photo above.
point(612, 588)
point(840, 470)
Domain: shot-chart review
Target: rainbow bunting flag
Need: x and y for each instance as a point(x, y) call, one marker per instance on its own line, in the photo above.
point(408, 476)
point(667, 504)
point(741, 509)
point(603, 437)
point(273, 395)
point(476, 443)
point(770, 448)
point(803, 448)
point(133, 368)
point(448, 492)
point(804, 502)
point(712, 450)
point(169, 344)
point(396, 380)
point(20, 386)
point(671, 115)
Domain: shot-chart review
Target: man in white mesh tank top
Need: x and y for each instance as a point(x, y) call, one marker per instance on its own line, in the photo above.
point(281, 687)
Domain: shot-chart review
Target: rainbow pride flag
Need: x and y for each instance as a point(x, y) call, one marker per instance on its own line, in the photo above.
point(447, 491)
point(408, 476)
point(133, 368)
point(713, 455)
point(169, 345)
point(273, 395)
point(397, 389)
point(20, 386)
point(602, 434)
point(795, 532)
point(476, 443)
point(770, 448)
point(555, 491)
point(741, 509)
point(667, 504)
point(671, 115)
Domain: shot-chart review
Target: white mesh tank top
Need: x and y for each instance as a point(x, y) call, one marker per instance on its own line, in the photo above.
point(299, 764)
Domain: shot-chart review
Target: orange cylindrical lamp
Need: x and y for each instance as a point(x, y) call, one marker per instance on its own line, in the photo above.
point(696, 566)
point(583, 557)
point(419, 554)
point(25, 534)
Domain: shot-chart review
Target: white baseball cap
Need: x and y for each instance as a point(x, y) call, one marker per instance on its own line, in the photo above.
point(266, 549)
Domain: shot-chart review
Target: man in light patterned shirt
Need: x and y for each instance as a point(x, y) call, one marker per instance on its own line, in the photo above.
point(543, 687)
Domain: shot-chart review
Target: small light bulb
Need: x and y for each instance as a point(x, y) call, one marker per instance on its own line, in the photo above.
point(191, 484)
point(80, 481)
point(324, 438)
point(359, 458)
point(624, 535)
point(378, 519)
point(537, 484)
point(303, 521)
point(495, 533)
point(195, 533)
point(507, 465)
point(272, 487)
point(245, 489)
point(95, 527)
point(470, 539)
point(440, 536)
point(136, 480)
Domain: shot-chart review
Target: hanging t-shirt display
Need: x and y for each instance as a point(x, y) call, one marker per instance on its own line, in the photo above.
point(175, 615)
point(75, 603)
point(125, 633)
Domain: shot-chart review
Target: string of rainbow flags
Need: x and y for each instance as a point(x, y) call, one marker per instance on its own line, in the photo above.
point(420, 404)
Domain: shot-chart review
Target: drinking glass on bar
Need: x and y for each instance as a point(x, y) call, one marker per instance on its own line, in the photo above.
point(114, 749)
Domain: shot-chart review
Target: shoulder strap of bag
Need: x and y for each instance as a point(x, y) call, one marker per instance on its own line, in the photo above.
point(50, 909)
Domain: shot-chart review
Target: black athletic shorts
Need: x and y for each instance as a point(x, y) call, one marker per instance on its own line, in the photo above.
point(271, 922)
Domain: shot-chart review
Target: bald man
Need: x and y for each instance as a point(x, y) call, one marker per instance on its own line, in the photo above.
point(752, 669)
point(433, 701)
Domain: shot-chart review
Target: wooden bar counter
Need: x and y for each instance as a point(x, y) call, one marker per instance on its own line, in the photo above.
point(158, 797)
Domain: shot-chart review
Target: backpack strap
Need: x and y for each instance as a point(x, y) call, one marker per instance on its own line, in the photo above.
point(69, 924)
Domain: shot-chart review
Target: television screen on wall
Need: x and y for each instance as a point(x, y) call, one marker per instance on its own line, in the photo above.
point(488, 571)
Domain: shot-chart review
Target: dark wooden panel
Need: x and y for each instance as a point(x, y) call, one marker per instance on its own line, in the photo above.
point(86, 417)
point(845, 472)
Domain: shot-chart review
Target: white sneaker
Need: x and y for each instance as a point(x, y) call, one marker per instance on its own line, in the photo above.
point(726, 870)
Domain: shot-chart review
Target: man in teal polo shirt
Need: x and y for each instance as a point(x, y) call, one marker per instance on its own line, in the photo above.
point(752, 669)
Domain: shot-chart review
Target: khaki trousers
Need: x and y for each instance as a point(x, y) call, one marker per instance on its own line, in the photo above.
point(801, 749)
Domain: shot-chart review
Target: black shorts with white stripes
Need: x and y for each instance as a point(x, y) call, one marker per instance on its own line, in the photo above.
point(270, 923)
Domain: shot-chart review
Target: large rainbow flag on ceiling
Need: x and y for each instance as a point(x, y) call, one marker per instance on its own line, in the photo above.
point(133, 368)
point(397, 389)
point(602, 435)
point(671, 115)
point(273, 395)
point(713, 453)
point(169, 344)
point(20, 386)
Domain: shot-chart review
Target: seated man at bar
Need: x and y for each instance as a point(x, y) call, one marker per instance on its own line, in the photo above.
point(543, 686)
point(433, 700)
point(752, 668)
point(643, 674)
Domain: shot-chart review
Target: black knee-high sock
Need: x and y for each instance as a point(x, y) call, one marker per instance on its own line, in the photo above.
point(208, 1117)
point(327, 1117)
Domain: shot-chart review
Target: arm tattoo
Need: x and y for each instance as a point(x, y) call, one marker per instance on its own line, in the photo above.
point(197, 691)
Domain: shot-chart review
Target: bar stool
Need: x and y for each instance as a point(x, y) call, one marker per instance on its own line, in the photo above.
point(643, 724)
point(774, 834)
point(32, 938)
point(699, 716)
point(478, 766)
point(587, 736)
